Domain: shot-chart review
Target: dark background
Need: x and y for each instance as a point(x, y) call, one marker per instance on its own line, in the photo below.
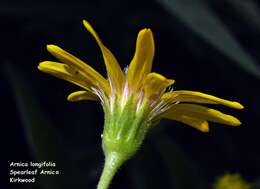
point(209, 46)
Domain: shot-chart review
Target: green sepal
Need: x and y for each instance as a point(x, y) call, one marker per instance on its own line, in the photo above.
point(125, 127)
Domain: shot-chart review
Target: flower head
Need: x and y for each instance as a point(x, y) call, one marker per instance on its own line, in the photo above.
point(231, 181)
point(136, 99)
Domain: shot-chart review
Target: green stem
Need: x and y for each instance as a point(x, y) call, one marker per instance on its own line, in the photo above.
point(113, 161)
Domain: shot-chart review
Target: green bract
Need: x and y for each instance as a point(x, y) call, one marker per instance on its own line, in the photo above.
point(125, 127)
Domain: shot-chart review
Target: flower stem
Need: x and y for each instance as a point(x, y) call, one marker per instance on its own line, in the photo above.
point(113, 161)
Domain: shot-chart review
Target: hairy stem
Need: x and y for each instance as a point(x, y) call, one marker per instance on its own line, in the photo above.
point(113, 161)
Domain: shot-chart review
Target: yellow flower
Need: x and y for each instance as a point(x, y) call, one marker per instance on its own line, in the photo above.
point(231, 181)
point(136, 99)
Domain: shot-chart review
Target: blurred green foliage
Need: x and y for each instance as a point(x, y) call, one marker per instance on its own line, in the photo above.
point(202, 20)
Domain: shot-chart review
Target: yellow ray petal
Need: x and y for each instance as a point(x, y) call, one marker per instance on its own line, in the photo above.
point(197, 97)
point(65, 72)
point(197, 123)
point(201, 112)
point(155, 85)
point(82, 95)
point(141, 63)
point(115, 74)
point(97, 80)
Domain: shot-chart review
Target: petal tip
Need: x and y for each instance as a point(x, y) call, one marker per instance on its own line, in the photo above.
point(70, 98)
point(51, 47)
point(87, 25)
point(205, 127)
point(81, 95)
point(39, 67)
point(238, 123)
point(145, 31)
point(171, 81)
point(235, 122)
point(239, 106)
point(42, 65)
point(84, 21)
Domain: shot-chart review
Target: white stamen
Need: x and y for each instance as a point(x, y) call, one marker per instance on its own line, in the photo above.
point(126, 69)
point(140, 97)
point(170, 89)
point(125, 94)
point(101, 95)
point(161, 107)
point(112, 100)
